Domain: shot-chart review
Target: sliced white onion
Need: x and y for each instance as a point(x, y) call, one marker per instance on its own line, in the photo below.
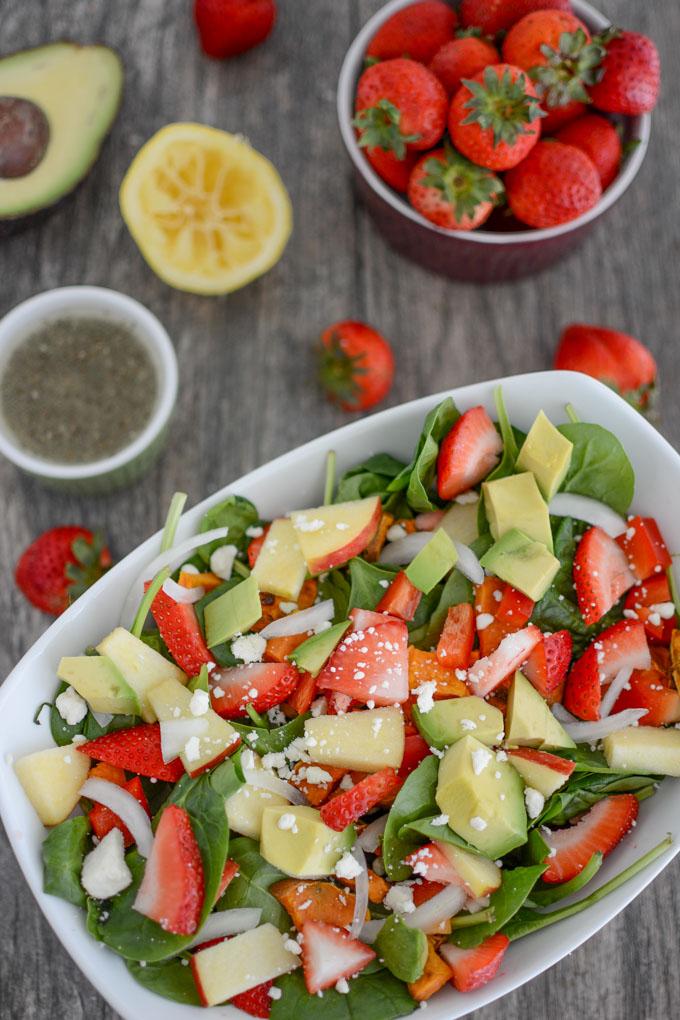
point(369, 840)
point(265, 780)
point(176, 732)
point(227, 922)
point(180, 593)
point(468, 564)
point(103, 718)
point(429, 521)
point(129, 810)
point(561, 714)
point(172, 558)
point(567, 504)
point(300, 622)
point(403, 550)
point(429, 915)
point(360, 893)
point(371, 930)
point(588, 732)
point(610, 696)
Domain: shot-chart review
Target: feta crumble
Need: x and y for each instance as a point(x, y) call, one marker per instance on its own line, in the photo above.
point(200, 703)
point(104, 871)
point(222, 561)
point(480, 759)
point(348, 867)
point(534, 801)
point(249, 647)
point(399, 899)
point(71, 707)
point(425, 696)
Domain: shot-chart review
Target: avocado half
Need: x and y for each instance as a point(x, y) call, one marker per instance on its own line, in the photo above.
point(57, 105)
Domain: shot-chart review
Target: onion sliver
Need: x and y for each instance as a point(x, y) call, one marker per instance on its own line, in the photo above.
point(179, 593)
point(360, 893)
point(561, 714)
point(468, 564)
point(611, 694)
point(176, 732)
point(103, 718)
point(369, 839)
point(265, 780)
point(371, 930)
point(588, 732)
point(130, 811)
point(568, 504)
point(172, 558)
point(227, 922)
point(300, 622)
point(429, 915)
point(403, 550)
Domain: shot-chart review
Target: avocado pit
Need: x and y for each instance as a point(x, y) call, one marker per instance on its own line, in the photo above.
point(24, 136)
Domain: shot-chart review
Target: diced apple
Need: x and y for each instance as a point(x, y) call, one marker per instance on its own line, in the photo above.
point(332, 535)
point(644, 749)
point(460, 522)
point(280, 567)
point(173, 703)
point(234, 966)
point(540, 770)
point(142, 667)
point(365, 741)
point(246, 807)
point(52, 780)
point(479, 874)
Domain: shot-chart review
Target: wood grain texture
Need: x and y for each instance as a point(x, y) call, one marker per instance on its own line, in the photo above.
point(246, 390)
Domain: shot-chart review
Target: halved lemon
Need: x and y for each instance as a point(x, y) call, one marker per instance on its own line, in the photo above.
point(208, 212)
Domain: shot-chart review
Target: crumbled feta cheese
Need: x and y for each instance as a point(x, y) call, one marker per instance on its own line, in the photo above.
point(399, 899)
point(384, 583)
point(484, 620)
point(71, 707)
point(534, 801)
point(478, 823)
point(249, 647)
point(105, 872)
point(319, 707)
point(348, 867)
point(222, 561)
point(200, 702)
point(254, 531)
point(480, 759)
point(346, 783)
point(286, 821)
point(292, 946)
point(468, 724)
point(315, 775)
point(288, 607)
point(395, 533)
point(341, 986)
point(274, 760)
point(192, 749)
point(501, 755)
point(274, 993)
point(276, 716)
point(302, 524)
point(425, 696)
point(439, 820)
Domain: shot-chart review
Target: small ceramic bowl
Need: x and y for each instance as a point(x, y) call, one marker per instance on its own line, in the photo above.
point(129, 463)
point(482, 256)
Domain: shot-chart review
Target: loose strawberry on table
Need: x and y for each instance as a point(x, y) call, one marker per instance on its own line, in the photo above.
point(230, 27)
point(60, 565)
point(629, 75)
point(417, 31)
point(599, 139)
point(452, 192)
point(462, 57)
point(356, 365)
point(556, 183)
point(613, 357)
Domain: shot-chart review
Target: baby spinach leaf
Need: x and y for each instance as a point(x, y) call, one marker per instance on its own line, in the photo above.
point(504, 903)
point(271, 740)
point(62, 853)
point(170, 978)
point(378, 996)
point(365, 587)
point(549, 894)
point(418, 476)
point(586, 760)
point(335, 585)
point(250, 887)
point(536, 850)
point(424, 827)
point(599, 466)
point(235, 513)
point(414, 800)
point(370, 478)
point(585, 789)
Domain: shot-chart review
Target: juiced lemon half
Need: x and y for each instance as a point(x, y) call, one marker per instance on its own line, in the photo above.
point(208, 212)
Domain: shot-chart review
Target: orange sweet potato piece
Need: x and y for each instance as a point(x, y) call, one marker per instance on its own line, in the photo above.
point(434, 977)
point(271, 604)
point(206, 580)
point(316, 793)
point(424, 666)
point(374, 547)
point(314, 901)
point(279, 648)
point(377, 886)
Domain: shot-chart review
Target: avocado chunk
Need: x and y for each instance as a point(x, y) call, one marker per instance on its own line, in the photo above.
point(516, 502)
point(100, 682)
point(234, 612)
point(529, 721)
point(313, 653)
point(295, 840)
point(142, 666)
point(452, 718)
point(525, 564)
point(483, 796)
point(57, 105)
point(644, 749)
point(547, 454)
point(402, 949)
point(433, 562)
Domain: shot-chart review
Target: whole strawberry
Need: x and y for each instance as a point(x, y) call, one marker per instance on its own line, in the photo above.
point(452, 192)
point(599, 139)
point(494, 16)
point(416, 31)
point(356, 365)
point(556, 183)
point(395, 172)
point(630, 75)
point(616, 359)
point(462, 58)
point(494, 117)
point(59, 566)
point(399, 104)
point(230, 27)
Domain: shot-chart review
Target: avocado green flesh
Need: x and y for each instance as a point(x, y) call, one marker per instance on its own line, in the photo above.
point(311, 655)
point(433, 562)
point(234, 612)
point(451, 718)
point(547, 454)
point(403, 949)
point(522, 562)
point(529, 721)
point(78, 89)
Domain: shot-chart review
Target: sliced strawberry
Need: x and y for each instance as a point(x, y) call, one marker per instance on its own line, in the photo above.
point(339, 704)
point(254, 547)
point(468, 453)
point(548, 664)
point(330, 954)
point(491, 670)
point(601, 574)
point(647, 689)
point(473, 968)
point(350, 805)
point(260, 684)
point(455, 644)
point(651, 603)
point(371, 661)
point(181, 631)
point(257, 1001)
point(172, 888)
point(599, 830)
point(432, 864)
point(103, 819)
point(621, 646)
point(423, 891)
point(415, 750)
point(136, 750)
point(510, 608)
point(644, 547)
point(229, 872)
point(401, 599)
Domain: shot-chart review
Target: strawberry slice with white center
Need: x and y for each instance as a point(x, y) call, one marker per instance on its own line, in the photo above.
point(472, 968)
point(432, 864)
point(491, 670)
point(468, 453)
point(598, 831)
point(330, 954)
point(548, 664)
point(172, 889)
point(260, 684)
point(350, 805)
point(601, 574)
point(621, 646)
point(181, 631)
point(647, 689)
point(371, 662)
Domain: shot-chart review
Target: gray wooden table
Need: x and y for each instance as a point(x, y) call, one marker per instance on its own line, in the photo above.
point(247, 391)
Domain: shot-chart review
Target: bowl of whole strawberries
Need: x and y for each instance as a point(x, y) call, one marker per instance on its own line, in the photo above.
point(487, 137)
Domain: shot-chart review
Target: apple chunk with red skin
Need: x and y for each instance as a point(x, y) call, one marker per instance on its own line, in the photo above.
point(331, 535)
point(542, 771)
